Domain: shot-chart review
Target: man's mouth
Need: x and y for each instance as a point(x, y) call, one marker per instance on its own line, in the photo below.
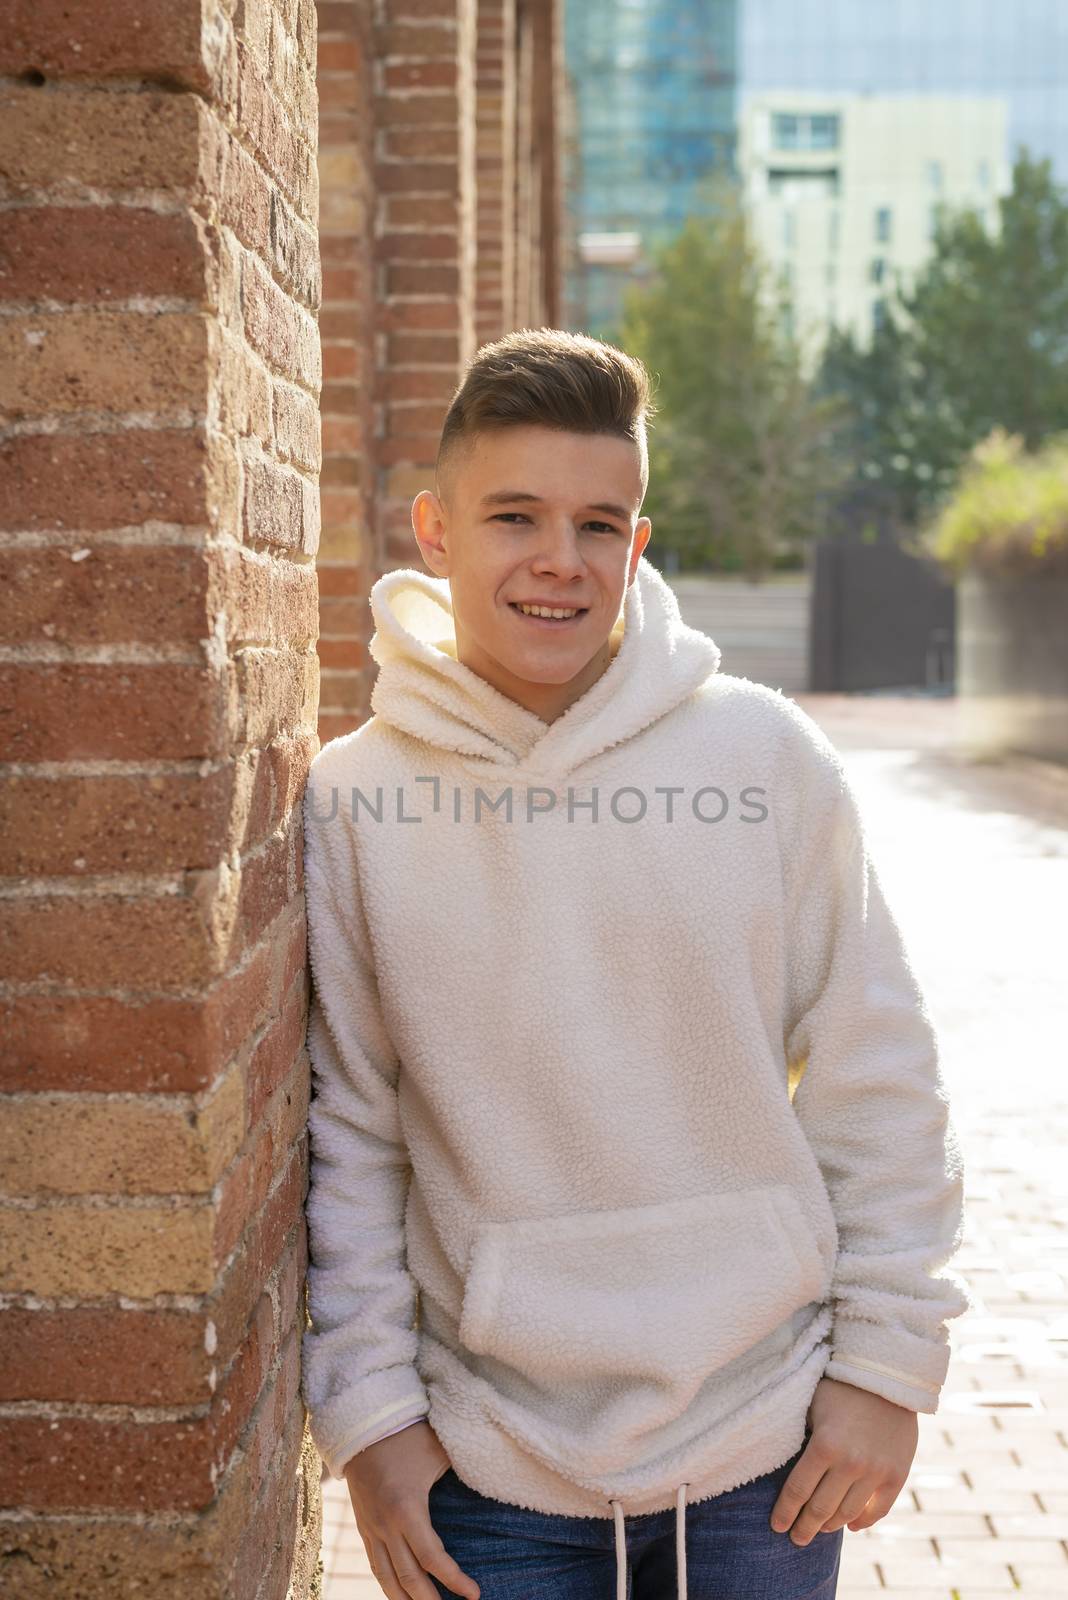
point(546, 617)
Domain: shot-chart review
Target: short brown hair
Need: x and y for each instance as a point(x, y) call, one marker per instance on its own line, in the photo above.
point(555, 379)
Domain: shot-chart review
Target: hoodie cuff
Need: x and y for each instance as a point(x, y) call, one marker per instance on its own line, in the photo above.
point(361, 1414)
point(891, 1362)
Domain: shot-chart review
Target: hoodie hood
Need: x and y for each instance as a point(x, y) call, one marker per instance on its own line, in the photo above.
point(422, 689)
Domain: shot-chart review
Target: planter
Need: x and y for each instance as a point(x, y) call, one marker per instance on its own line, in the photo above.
point(1012, 663)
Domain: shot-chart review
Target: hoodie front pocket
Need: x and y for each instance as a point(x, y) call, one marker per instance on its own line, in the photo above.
point(642, 1300)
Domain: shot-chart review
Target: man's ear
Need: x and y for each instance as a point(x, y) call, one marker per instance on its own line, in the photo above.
point(428, 525)
point(642, 530)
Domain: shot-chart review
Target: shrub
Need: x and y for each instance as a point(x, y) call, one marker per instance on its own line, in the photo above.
point(1009, 511)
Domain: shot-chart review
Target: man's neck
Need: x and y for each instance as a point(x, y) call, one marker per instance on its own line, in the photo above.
point(545, 700)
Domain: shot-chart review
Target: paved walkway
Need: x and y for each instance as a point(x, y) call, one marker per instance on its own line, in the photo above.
point(974, 860)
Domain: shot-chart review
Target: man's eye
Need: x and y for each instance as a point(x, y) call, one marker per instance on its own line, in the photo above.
point(503, 516)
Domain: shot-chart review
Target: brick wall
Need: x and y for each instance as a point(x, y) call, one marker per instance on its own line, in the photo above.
point(161, 305)
point(159, 373)
point(439, 201)
point(495, 168)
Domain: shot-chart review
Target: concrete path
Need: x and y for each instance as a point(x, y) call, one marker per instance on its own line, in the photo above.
point(974, 861)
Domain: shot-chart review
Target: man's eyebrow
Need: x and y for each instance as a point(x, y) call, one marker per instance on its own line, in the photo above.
point(502, 497)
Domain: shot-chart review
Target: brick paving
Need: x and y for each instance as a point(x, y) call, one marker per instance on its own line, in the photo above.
point(974, 859)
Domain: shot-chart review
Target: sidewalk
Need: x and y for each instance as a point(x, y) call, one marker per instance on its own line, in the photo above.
point(974, 861)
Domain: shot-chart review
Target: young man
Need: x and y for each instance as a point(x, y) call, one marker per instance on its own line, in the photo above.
point(580, 908)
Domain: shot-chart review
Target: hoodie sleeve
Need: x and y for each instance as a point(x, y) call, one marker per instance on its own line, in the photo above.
point(871, 1098)
point(359, 1378)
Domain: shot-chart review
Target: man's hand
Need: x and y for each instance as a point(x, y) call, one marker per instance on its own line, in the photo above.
point(853, 1467)
point(388, 1486)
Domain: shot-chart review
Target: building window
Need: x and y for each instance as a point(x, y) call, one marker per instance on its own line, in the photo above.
point(878, 315)
point(800, 131)
point(878, 269)
point(935, 176)
point(883, 225)
point(933, 219)
point(791, 184)
point(823, 132)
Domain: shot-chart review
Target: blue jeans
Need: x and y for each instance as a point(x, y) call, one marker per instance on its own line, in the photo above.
point(732, 1551)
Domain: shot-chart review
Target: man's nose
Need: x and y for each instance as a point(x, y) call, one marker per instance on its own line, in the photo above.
point(560, 547)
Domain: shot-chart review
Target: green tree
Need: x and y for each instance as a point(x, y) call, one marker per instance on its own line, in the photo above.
point(979, 341)
point(741, 454)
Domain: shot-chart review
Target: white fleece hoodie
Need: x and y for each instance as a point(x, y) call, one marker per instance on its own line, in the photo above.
point(561, 1202)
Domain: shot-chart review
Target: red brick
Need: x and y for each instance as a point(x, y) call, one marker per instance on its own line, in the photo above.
point(417, 110)
point(296, 427)
point(118, 594)
point(342, 653)
point(136, 1465)
point(339, 471)
point(418, 245)
point(341, 283)
point(342, 507)
point(426, 211)
point(420, 144)
point(341, 124)
point(112, 480)
point(340, 55)
point(101, 254)
point(160, 1045)
point(413, 384)
point(277, 505)
point(340, 92)
point(88, 711)
point(152, 1357)
point(127, 38)
point(275, 1053)
point(421, 75)
point(341, 325)
point(283, 333)
point(344, 619)
point(433, 349)
point(410, 278)
point(340, 361)
point(431, 10)
point(426, 177)
point(72, 825)
point(343, 578)
point(338, 17)
point(103, 361)
point(110, 142)
point(409, 315)
point(289, 158)
point(342, 435)
point(400, 39)
point(342, 399)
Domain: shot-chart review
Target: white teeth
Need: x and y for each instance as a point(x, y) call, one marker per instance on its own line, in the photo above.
point(544, 611)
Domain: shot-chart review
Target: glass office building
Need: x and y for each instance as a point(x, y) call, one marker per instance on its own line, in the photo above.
point(860, 125)
point(656, 95)
point(966, 48)
point(651, 116)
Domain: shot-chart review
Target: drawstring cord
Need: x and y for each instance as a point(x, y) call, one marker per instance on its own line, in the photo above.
point(680, 1544)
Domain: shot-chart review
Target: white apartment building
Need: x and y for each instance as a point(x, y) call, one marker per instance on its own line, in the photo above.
point(843, 189)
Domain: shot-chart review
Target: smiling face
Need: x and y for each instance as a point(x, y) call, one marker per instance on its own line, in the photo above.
point(529, 514)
